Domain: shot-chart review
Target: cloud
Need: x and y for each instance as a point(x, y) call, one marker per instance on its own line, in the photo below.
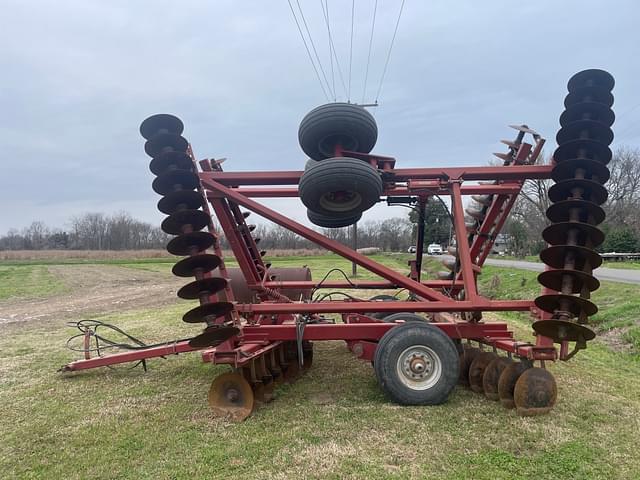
point(79, 76)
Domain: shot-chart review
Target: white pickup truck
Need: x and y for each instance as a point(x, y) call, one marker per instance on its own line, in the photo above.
point(434, 249)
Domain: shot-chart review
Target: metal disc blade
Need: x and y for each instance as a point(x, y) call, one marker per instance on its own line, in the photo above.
point(589, 94)
point(584, 235)
point(587, 129)
point(591, 191)
point(161, 123)
point(176, 222)
point(588, 111)
point(507, 383)
point(567, 303)
point(477, 368)
point(207, 311)
point(170, 161)
point(468, 355)
point(188, 267)
point(491, 377)
point(230, 396)
point(209, 286)
point(535, 392)
point(165, 142)
point(213, 336)
point(591, 169)
point(591, 77)
point(180, 200)
point(583, 148)
point(175, 180)
point(584, 258)
point(588, 212)
point(553, 279)
point(562, 330)
point(190, 243)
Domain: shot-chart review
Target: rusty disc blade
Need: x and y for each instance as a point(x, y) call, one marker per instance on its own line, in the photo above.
point(563, 330)
point(507, 383)
point(592, 170)
point(588, 111)
point(206, 286)
point(591, 77)
point(584, 258)
point(590, 190)
point(587, 212)
point(565, 303)
point(188, 267)
point(175, 180)
point(477, 368)
point(170, 161)
point(165, 142)
point(535, 392)
point(589, 94)
point(187, 243)
point(213, 336)
point(491, 377)
point(231, 396)
point(207, 311)
point(467, 356)
point(583, 234)
point(585, 129)
point(583, 149)
point(553, 279)
point(180, 200)
point(161, 123)
point(176, 222)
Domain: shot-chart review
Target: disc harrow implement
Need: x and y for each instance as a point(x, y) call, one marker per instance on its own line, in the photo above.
point(423, 336)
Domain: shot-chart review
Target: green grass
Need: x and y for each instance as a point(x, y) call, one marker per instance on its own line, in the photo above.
point(622, 265)
point(332, 423)
point(28, 281)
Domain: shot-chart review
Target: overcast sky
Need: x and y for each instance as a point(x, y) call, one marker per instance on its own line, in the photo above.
point(78, 77)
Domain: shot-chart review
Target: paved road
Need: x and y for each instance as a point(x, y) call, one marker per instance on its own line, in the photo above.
point(602, 273)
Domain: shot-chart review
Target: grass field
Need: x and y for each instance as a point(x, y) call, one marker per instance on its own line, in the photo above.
point(332, 423)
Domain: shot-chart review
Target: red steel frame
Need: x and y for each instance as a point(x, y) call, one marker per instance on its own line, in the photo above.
point(272, 320)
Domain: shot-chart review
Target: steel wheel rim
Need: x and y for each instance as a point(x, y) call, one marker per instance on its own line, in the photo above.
point(419, 367)
point(328, 201)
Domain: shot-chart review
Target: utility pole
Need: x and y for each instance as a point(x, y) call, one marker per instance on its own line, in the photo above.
point(354, 241)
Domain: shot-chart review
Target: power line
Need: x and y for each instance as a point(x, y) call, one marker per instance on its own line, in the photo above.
point(333, 77)
point(333, 47)
point(353, 8)
point(313, 46)
point(366, 75)
point(308, 52)
point(386, 63)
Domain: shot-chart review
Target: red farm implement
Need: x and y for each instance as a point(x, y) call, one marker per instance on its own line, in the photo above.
point(263, 321)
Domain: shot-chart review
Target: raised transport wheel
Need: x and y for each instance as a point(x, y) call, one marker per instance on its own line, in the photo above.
point(507, 382)
point(416, 364)
point(340, 186)
point(466, 358)
point(381, 298)
point(332, 221)
point(404, 317)
point(337, 124)
point(535, 392)
point(491, 377)
point(477, 369)
point(231, 396)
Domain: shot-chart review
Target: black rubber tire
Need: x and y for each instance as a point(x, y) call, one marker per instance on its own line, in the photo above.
point(332, 124)
point(332, 221)
point(395, 342)
point(406, 316)
point(359, 180)
point(310, 163)
point(383, 298)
